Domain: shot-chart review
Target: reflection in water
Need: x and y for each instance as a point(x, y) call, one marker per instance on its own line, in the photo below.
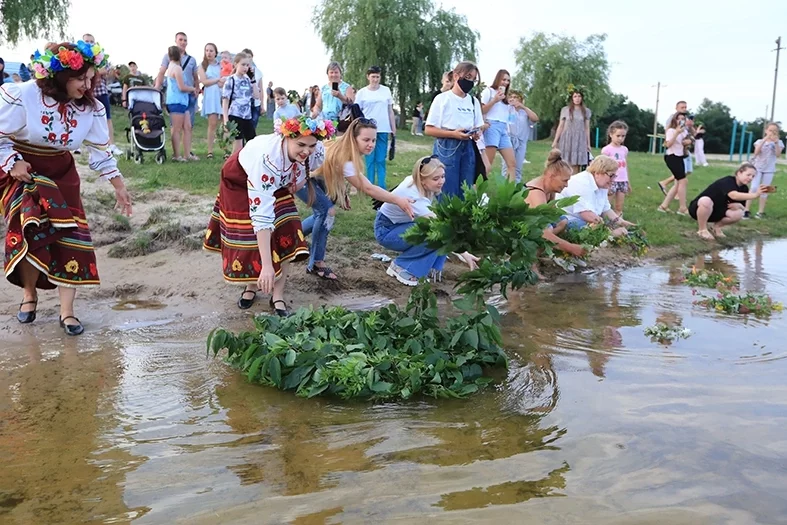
point(617, 428)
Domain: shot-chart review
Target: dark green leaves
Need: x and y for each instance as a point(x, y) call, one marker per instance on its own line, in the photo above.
point(330, 351)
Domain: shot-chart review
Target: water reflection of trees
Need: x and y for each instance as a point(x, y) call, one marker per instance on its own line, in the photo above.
point(56, 467)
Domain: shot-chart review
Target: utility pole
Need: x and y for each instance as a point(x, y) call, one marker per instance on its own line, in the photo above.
point(656, 118)
point(776, 75)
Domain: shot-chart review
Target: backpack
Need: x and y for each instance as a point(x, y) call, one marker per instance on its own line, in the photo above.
point(347, 114)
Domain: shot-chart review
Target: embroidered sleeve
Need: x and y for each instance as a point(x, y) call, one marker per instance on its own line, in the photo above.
point(260, 187)
point(317, 158)
point(97, 143)
point(13, 119)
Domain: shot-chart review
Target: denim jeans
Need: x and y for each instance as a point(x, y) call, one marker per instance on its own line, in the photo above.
point(416, 260)
point(520, 150)
point(315, 224)
point(458, 156)
point(192, 111)
point(255, 115)
point(375, 161)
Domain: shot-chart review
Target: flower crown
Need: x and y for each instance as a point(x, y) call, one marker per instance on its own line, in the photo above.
point(571, 89)
point(46, 65)
point(305, 126)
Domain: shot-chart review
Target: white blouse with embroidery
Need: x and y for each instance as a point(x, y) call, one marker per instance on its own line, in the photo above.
point(27, 116)
point(265, 161)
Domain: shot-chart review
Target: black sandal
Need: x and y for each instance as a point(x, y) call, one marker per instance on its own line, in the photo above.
point(281, 312)
point(245, 304)
point(27, 317)
point(71, 329)
point(209, 156)
point(322, 272)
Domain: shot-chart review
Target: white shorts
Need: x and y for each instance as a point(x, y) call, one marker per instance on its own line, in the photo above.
point(761, 178)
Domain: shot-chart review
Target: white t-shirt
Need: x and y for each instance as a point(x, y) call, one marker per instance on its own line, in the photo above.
point(408, 190)
point(449, 111)
point(375, 104)
point(499, 111)
point(591, 197)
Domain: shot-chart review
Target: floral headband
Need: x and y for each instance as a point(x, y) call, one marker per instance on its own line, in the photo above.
point(571, 89)
point(305, 126)
point(48, 64)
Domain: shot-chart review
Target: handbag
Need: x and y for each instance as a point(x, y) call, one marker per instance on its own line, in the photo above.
point(480, 167)
point(347, 114)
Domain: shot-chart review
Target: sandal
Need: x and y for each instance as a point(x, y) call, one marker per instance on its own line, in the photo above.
point(27, 317)
point(71, 329)
point(192, 157)
point(663, 189)
point(281, 312)
point(209, 156)
point(662, 209)
point(323, 272)
point(402, 275)
point(245, 304)
point(683, 213)
point(705, 235)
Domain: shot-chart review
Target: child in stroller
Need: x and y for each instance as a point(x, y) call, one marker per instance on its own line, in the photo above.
point(147, 124)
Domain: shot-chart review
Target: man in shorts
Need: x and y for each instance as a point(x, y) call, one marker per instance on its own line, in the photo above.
point(190, 78)
point(101, 92)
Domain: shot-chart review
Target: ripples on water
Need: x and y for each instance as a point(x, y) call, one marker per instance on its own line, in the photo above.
point(594, 424)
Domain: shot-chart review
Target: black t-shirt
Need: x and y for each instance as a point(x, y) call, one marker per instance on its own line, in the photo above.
point(719, 190)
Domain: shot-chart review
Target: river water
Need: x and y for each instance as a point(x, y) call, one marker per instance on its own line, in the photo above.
point(596, 423)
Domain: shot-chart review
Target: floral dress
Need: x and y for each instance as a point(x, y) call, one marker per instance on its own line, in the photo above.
point(573, 141)
point(45, 218)
point(256, 193)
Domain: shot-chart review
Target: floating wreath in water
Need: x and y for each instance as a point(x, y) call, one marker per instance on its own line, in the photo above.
point(731, 301)
point(707, 278)
point(666, 334)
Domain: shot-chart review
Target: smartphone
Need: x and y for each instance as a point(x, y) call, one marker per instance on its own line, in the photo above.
point(335, 86)
point(473, 131)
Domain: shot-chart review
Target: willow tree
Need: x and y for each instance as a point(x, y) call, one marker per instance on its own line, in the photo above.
point(31, 19)
point(411, 40)
point(548, 63)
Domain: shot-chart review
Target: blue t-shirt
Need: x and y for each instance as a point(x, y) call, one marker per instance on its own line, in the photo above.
point(330, 104)
point(188, 68)
point(287, 111)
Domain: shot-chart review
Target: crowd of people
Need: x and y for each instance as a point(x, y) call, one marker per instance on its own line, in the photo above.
point(326, 145)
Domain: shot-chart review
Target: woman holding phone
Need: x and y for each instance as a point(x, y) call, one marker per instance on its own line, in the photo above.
point(332, 95)
point(676, 137)
point(496, 111)
point(455, 119)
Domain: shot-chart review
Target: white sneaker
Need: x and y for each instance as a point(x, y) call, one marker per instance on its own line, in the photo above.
point(114, 150)
point(526, 161)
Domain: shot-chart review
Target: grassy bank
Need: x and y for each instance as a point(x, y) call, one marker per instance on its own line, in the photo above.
point(668, 233)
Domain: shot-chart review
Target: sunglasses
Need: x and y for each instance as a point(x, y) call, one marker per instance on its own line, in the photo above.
point(367, 121)
point(427, 160)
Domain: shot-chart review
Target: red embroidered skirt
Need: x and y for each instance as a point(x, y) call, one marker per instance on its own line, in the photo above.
point(46, 222)
point(231, 233)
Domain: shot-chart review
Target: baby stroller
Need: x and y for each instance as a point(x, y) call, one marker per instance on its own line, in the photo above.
point(147, 124)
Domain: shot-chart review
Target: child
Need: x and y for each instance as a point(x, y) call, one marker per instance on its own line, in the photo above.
point(226, 64)
point(616, 136)
point(238, 95)
point(421, 188)
point(520, 121)
point(284, 108)
point(766, 151)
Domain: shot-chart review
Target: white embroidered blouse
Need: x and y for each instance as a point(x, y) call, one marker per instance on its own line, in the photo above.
point(265, 161)
point(27, 116)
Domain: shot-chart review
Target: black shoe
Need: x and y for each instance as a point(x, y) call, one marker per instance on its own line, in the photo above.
point(281, 312)
point(71, 329)
point(746, 215)
point(245, 304)
point(26, 317)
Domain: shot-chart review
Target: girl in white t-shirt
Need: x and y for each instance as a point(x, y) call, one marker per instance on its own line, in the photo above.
point(376, 102)
point(494, 104)
point(343, 164)
point(420, 188)
point(455, 119)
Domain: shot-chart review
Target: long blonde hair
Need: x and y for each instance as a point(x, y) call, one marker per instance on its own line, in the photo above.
point(338, 153)
point(425, 167)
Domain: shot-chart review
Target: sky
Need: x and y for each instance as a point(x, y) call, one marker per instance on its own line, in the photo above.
point(721, 50)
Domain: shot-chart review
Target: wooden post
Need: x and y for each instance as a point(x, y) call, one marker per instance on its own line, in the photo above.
point(656, 118)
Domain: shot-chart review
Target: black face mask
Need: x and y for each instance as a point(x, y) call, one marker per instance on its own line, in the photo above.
point(466, 85)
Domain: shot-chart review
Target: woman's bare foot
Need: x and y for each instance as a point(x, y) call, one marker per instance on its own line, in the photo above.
point(538, 273)
point(718, 233)
point(705, 235)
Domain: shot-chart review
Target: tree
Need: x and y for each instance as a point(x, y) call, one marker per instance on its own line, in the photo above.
point(31, 19)
point(639, 121)
point(716, 118)
point(548, 63)
point(411, 41)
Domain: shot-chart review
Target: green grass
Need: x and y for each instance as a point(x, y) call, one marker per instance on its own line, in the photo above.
point(672, 233)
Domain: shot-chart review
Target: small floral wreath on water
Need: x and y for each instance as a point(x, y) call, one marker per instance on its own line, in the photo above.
point(48, 64)
point(304, 126)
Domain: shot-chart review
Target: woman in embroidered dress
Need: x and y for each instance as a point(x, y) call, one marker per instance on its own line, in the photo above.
point(48, 241)
point(255, 224)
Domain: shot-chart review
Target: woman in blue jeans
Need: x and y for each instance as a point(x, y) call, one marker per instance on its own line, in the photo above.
point(415, 261)
point(344, 163)
point(455, 120)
